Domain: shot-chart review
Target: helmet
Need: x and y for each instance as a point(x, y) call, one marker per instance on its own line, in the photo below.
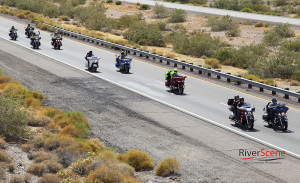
point(90, 52)
point(122, 53)
point(242, 100)
point(175, 70)
point(12, 27)
point(28, 25)
point(274, 100)
point(236, 97)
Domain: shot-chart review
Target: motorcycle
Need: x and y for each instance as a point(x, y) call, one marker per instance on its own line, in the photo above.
point(123, 64)
point(13, 35)
point(246, 118)
point(176, 84)
point(35, 42)
point(92, 63)
point(29, 32)
point(57, 44)
point(280, 117)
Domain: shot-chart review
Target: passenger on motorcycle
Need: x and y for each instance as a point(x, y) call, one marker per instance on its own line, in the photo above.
point(235, 104)
point(89, 54)
point(12, 29)
point(55, 37)
point(270, 109)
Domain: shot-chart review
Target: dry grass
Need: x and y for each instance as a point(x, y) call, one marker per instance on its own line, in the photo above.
point(139, 160)
point(11, 167)
point(270, 81)
point(169, 166)
point(2, 172)
point(17, 179)
point(5, 79)
point(4, 157)
point(39, 121)
point(37, 169)
point(294, 83)
point(106, 174)
point(214, 63)
point(38, 141)
point(252, 77)
point(50, 178)
point(27, 147)
point(52, 166)
point(258, 24)
point(3, 143)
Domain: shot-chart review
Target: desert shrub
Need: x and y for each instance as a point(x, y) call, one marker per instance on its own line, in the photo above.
point(43, 27)
point(252, 77)
point(109, 1)
point(2, 172)
point(52, 166)
point(50, 178)
point(234, 32)
point(279, 2)
point(3, 143)
point(67, 9)
point(160, 11)
point(223, 55)
point(223, 23)
point(271, 38)
point(68, 155)
point(145, 35)
point(27, 147)
point(4, 157)
point(13, 120)
point(161, 25)
point(77, 2)
point(177, 15)
point(214, 63)
point(38, 141)
point(51, 11)
point(118, 2)
point(248, 10)
point(126, 21)
point(37, 169)
point(296, 75)
point(21, 15)
point(291, 45)
point(137, 159)
point(144, 7)
point(82, 166)
point(39, 121)
point(294, 83)
point(4, 79)
point(258, 24)
point(284, 30)
point(270, 81)
point(17, 179)
point(167, 167)
point(201, 2)
point(63, 18)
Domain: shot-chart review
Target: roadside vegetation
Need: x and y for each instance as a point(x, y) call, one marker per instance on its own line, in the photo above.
point(57, 142)
point(265, 60)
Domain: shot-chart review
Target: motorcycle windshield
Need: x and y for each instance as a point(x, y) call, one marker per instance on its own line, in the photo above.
point(280, 109)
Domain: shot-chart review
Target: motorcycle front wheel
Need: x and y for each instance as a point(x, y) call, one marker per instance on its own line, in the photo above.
point(180, 91)
point(284, 126)
point(250, 123)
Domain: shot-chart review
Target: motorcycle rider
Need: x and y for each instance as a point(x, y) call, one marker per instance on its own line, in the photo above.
point(12, 29)
point(235, 105)
point(241, 103)
point(55, 37)
point(89, 54)
point(168, 76)
point(34, 35)
point(28, 27)
point(270, 109)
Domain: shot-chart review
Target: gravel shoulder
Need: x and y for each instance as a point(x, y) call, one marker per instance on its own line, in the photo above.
point(125, 120)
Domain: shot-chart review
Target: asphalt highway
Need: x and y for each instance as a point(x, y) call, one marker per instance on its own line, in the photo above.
point(222, 12)
point(202, 99)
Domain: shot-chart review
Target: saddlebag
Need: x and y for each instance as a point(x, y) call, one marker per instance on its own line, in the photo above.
point(230, 101)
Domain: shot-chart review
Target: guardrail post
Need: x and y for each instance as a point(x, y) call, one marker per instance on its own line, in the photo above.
point(273, 92)
point(183, 67)
point(238, 82)
point(168, 63)
point(175, 65)
point(261, 89)
point(147, 56)
point(160, 60)
point(191, 69)
point(250, 85)
point(299, 100)
point(218, 76)
point(141, 55)
point(286, 95)
point(199, 71)
point(228, 80)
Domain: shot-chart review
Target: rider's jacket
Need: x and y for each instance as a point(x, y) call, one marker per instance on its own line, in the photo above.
point(12, 29)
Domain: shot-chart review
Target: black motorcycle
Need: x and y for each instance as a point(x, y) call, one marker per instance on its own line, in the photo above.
point(57, 44)
point(29, 32)
point(280, 117)
point(13, 35)
point(35, 42)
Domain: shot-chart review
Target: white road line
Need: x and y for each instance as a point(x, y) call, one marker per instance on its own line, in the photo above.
point(160, 82)
point(170, 105)
point(223, 104)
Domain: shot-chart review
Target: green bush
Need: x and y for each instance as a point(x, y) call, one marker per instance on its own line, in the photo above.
point(109, 1)
point(126, 21)
point(160, 11)
point(144, 34)
point(284, 31)
point(201, 2)
point(118, 2)
point(144, 7)
point(234, 32)
point(291, 45)
point(13, 120)
point(177, 15)
point(248, 10)
point(271, 38)
point(51, 11)
point(77, 2)
point(279, 2)
point(223, 23)
point(161, 25)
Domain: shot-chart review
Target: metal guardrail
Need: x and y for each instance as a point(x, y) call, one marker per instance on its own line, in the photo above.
point(192, 67)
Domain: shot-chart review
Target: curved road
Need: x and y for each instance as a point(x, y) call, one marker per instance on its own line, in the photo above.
point(222, 12)
point(203, 99)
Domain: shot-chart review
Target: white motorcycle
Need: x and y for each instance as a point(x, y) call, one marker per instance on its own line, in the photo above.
point(92, 63)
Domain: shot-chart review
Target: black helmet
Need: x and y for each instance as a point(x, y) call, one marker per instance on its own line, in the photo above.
point(274, 100)
point(90, 52)
point(28, 25)
point(122, 53)
point(242, 100)
point(12, 27)
point(236, 97)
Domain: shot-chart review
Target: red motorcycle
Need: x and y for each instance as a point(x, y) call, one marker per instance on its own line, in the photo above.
point(176, 84)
